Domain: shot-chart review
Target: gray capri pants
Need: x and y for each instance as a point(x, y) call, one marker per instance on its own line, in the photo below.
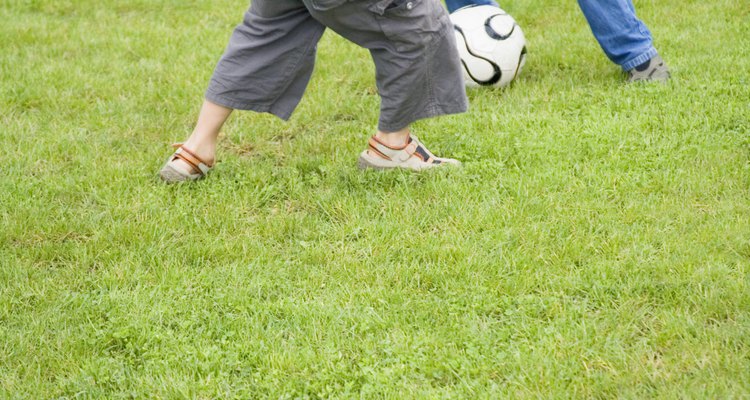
point(270, 57)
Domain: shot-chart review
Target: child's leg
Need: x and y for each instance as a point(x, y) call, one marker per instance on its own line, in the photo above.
point(269, 59)
point(203, 138)
point(199, 149)
point(418, 72)
point(413, 45)
point(265, 68)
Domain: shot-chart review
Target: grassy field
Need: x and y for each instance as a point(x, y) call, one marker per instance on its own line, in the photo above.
point(595, 244)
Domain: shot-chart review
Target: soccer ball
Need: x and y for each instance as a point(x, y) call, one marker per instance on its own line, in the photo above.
point(491, 45)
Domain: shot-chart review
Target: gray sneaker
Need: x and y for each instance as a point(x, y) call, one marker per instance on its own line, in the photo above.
point(652, 70)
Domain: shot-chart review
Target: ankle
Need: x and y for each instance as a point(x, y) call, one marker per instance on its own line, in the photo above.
point(205, 150)
point(394, 139)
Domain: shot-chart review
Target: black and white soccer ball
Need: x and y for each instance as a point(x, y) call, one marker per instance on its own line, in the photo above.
point(491, 45)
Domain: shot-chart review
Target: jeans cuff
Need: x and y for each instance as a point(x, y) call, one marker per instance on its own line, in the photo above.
point(642, 58)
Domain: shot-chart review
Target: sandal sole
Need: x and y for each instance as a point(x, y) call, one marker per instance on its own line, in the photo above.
point(169, 174)
point(363, 163)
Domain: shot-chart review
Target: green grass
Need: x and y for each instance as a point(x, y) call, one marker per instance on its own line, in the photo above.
point(596, 243)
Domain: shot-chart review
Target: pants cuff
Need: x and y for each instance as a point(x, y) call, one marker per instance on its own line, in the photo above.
point(642, 58)
point(395, 126)
point(239, 105)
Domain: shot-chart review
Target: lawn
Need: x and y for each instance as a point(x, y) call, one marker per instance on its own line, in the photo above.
point(595, 243)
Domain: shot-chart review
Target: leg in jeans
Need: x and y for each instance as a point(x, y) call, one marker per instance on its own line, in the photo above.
point(624, 38)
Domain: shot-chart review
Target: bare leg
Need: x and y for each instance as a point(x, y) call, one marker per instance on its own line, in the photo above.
point(202, 141)
point(200, 148)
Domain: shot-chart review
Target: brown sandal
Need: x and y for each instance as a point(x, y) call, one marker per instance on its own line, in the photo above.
point(171, 174)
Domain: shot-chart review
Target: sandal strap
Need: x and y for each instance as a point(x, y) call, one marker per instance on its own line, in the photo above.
point(193, 160)
point(414, 148)
point(422, 152)
point(399, 154)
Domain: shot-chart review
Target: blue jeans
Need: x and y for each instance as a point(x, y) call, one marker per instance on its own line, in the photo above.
point(624, 38)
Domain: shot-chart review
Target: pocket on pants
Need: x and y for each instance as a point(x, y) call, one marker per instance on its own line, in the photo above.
point(412, 25)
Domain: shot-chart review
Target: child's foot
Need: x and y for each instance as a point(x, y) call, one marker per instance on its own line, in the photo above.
point(413, 155)
point(183, 166)
point(654, 69)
